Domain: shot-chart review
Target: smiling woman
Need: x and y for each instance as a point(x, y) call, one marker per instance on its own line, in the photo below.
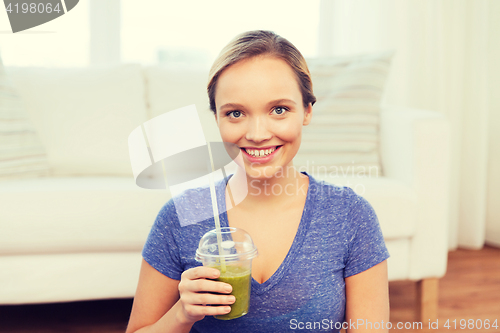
point(263, 87)
point(322, 257)
point(257, 125)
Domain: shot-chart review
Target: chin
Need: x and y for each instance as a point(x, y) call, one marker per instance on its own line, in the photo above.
point(265, 172)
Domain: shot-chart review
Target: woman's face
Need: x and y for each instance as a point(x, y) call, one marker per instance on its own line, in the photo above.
point(260, 109)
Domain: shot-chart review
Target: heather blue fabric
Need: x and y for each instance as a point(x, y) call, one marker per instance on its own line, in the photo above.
point(338, 236)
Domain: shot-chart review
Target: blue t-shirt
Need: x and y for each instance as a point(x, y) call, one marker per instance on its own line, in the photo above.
point(338, 236)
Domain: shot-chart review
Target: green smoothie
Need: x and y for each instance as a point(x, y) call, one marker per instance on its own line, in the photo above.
point(240, 279)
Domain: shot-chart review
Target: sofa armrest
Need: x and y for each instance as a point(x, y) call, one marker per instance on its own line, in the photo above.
point(416, 149)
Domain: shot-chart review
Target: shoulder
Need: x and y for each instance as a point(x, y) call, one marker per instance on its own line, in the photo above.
point(182, 218)
point(342, 205)
point(191, 205)
point(326, 194)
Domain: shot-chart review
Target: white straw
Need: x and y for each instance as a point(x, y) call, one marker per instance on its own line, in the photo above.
point(216, 211)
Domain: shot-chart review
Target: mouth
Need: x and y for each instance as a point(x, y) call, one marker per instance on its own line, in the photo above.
point(260, 152)
point(262, 155)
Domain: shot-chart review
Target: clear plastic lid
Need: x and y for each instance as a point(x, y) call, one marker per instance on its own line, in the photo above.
point(236, 245)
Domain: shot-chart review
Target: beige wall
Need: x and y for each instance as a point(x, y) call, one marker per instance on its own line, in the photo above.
point(493, 205)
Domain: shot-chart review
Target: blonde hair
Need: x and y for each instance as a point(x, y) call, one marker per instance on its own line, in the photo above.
point(261, 42)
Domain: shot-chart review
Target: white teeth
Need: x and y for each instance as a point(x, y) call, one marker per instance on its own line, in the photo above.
point(261, 152)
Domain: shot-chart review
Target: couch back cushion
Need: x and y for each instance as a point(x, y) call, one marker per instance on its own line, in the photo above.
point(343, 136)
point(84, 115)
point(170, 88)
point(21, 151)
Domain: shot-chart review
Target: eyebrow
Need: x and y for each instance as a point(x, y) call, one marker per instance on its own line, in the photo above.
point(277, 101)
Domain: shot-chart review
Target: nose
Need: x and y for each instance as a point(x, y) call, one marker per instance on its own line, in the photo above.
point(257, 130)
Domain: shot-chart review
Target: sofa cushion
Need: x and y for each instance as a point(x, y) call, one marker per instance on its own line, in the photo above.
point(394, 202)
point(87, 214)
point(46, 278)
point(344, 130)
point(84, 115)
point(21, 151)
point(398, 264)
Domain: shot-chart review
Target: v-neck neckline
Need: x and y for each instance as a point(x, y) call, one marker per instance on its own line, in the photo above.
point(260, 288)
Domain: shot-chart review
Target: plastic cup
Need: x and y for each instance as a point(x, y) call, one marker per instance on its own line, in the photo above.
point(234, 262)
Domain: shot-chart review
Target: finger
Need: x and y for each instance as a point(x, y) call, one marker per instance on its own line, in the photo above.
point(203, 285)
point(205, 298)
point(217, 310)
point(201, 272)
point(201, 310)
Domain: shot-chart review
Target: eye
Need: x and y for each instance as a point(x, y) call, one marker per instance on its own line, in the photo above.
point(280, 110)
point(234, 114)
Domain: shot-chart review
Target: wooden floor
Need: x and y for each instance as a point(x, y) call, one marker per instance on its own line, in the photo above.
point(470, 290)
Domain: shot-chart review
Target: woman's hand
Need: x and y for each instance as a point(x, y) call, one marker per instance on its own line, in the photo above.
point(197, 290)
point(162, 304)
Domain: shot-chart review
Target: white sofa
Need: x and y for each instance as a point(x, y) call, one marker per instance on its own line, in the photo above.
point(78, 234)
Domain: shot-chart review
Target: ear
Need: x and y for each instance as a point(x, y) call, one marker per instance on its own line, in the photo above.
point(307, 114)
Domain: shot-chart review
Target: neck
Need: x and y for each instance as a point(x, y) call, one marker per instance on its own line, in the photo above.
point(253, 193)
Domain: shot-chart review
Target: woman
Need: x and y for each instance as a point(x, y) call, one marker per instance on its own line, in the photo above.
point(322, 257)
